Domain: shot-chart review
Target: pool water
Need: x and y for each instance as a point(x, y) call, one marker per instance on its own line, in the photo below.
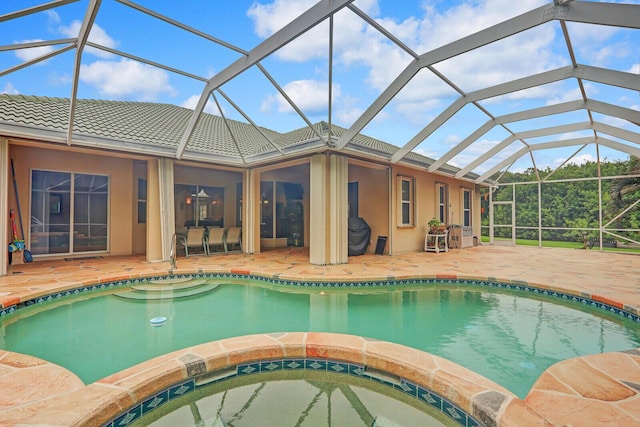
point(504, 337)
point(295, 399)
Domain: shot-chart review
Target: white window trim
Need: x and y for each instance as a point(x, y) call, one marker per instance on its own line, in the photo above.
point(444, 202)
point(412, 201)
point(464, 190)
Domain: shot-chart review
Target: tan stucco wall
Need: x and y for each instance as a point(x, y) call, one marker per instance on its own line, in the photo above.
point(121, 192)
point(408, 239)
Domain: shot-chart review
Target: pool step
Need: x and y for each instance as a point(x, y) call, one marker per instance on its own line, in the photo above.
point(156, 285)
point(167, 289)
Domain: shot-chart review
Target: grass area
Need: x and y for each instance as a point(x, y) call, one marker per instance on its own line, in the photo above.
point(558, 244)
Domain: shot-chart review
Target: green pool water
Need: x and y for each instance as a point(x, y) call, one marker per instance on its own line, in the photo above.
point(504, 337)
point(295, 399)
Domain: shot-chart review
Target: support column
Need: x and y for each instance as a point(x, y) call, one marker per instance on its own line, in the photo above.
point(154, 238)
point(160, 209)
point(318, 242)
point(167, 208)
point(4, 205)
point(251, 214)
point(338, 209)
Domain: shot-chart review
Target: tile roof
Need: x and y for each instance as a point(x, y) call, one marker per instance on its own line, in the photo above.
point(159, 127)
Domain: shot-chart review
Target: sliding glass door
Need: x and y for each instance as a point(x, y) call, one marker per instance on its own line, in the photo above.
point(65, 204)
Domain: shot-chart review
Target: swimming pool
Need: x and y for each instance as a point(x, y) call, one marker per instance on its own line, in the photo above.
point(502, 336)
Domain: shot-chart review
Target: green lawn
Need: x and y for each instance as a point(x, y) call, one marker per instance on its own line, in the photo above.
point(568, 245)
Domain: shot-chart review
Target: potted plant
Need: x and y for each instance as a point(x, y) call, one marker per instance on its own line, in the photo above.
point(436, 227)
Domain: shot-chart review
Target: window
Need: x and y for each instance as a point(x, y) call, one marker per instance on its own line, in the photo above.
point(406, 201)
point(65, 204)
point(466, 206)
point(352, 196)
point(142, 201)
point(442, 202)
point(199, 206)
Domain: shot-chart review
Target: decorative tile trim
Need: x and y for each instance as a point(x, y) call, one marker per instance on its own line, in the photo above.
point(628, 312)
point(430, 397)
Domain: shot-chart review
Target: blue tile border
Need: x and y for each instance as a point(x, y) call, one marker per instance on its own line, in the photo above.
point(517, 286)
point(405, 386)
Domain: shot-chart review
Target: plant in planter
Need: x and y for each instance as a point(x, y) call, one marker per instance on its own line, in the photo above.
point(436, 227)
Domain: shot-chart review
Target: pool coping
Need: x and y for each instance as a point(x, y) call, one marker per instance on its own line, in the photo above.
point(502, 415)
point(9, 305)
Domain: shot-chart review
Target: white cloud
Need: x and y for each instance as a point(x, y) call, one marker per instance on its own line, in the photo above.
point(192, 101)
point(358, 44)
point(127, 78)
point(573, 94)
point(348, 28)
point(576, 160)
point(310, 96)
point(346, 111)
point(472, 152)
point(97, 35)
point(32, 52)
point(9, 89)
point(52, 17)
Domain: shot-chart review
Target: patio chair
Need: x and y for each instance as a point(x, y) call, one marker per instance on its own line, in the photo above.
point(215, 239)
point(233, 238)
point(195, 238)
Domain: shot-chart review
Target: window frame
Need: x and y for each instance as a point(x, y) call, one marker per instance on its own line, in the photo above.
point(442, 203)
point(410, 202)
point(65, 204)
point(142, 201)
point(466, 211)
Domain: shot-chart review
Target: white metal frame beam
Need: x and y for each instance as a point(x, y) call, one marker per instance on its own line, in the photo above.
point(597, 106)
point(556, 144)
point(505, 29)
point(584, 12)
point(303, 23)
point(600, 75)
point(83, 36)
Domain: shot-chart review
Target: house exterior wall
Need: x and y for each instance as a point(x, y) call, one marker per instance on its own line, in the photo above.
point(121, 194)
point(411, 238)
point(378, 196)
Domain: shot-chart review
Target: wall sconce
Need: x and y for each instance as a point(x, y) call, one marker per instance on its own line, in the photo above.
point(188, 200)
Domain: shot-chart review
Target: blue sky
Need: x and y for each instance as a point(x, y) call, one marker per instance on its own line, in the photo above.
point(364, 63)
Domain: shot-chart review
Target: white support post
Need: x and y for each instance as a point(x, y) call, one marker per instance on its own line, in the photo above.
point(167, 209)
point(318, 213)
